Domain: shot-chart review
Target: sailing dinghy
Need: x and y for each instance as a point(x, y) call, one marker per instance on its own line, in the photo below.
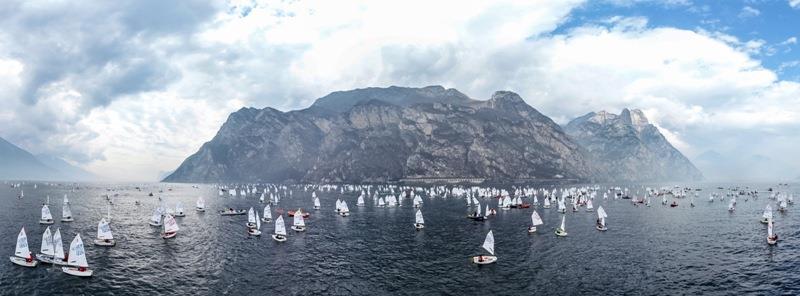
point(170, 227)
point(280, 230)
point(47, 217)
point(251, 218)
point(22, 256)
point(562, 230)
point(200, 206)
point(155, 219)
point(77, 259)
point(47, 252)
point(535, 221)
point(267, 217)
point(66, 211)
point(179, 210)
point(255, 231)
point(104, 236)
point(488, 245)
point(601, 219)
point(419, 222)
point(299, 224)
point(772, 238)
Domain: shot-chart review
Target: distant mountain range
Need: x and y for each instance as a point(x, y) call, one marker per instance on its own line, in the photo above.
point(18, 164)
point(396, 133)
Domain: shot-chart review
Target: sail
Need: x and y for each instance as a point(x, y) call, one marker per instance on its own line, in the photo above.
point(535, 219)
point(589, 205)
point(298, 219)
point(103, 230)
point(77, 255)
point(563, 220)
point(419, 219)
point(344, 208)
point(267, 213)
point(47, 242)
point(769, 228)
point(768, 212)
point(280, 228)
point(179, 208)
point(261, 198)
point(258, 222)
point(488, 244)
point(156, 217)
point(360, 200)
point(251, 216)
point(601, 213)
point(201, 203)
point(478, 210)
point(170, 225)
point(487, 210)
point(22, 245)
point(58, 247)
point(65, 211)
point(46, 213)
point(546, 202)
point(66, 200)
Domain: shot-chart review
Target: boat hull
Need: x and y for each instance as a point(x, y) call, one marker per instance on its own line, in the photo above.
point(254, 232)
point(483, 260)
point(772, 241)
point(298, 228)
point(154, 224)
point(234, 213)
point(74, 271)
point(344, 214)
point(601, 228)
point(264, 220)
point(561, 233)
point(70, 219)
point(200, 209)
point(22, 262)
point(46, 222)
point(104, 243)
point(279, 239)
point(531, 229)
point(169, 235)
point(419, 226)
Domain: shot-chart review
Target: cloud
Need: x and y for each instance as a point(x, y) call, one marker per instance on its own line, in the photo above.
point(748, 12)
point(794, 3)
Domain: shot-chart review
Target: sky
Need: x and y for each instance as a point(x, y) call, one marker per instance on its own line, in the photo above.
point(128, 89)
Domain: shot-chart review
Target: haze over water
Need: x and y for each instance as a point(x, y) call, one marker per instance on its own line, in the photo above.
point(375, 251)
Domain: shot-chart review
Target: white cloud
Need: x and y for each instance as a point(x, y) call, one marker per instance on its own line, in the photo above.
point(748, 12)
point(794, 3)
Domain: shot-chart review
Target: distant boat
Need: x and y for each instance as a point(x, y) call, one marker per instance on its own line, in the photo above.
point(299, 224)
point(344, 211)
point(562, 206)
point(155, 219)
point(66, 212)
point(170, 227)
point(232, 212)
point(200, 206)
point(419, 222)
point(267, 217)
point(546, 203)
point(280, 230)
point(47, 217)
point(21, 194)
point(251, 218)
point(77, 259)
point(22, 256)
point(601, 219)
point(317, 205)
point(767, 214)
point(535, 221)
point(360, 201)
point(772, 238)
point(488, 245)
point(261, 198)
point(104, 236)
point(562, 230)
point(476, 215)
point(731, 206)
point(179, 210)
point(589, 206)
point(255, 231)
point(417, 201)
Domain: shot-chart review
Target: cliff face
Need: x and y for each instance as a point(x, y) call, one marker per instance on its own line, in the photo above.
point(631, 148)
point(381, 134)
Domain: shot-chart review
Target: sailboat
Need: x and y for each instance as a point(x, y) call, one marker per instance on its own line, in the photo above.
point(170, 227)
point(477, 216)
point(562, 230)
point(280, 230)
point(344, 211)
point(251, 218)
point(46, 252)
point(488, 245)
point(261, 198)
point(22, 256)
point(589, 206)
point(562, 206)
point(767, 214)
point(200, 206)
point(731, 206)
point(255, 231)
point(299, 224)
point(66, 213)
point(772, 238)
point(104, 237)
point(360, 201)
point(77, 259)
point(267, 217)
point(535, 221)
point(58, 249)
point(317, 206)
point(179, 210)
point(546, 202)
point(419, 222)
point(47, 218)
point(417, 201)
point(601, 219)
point(155, 219)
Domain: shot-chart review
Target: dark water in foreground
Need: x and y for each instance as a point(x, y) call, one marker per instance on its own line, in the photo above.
point(376, 251)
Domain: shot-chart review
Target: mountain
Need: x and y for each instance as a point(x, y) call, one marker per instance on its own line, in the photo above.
point(630, 147)
point(387, 134)
point(18, 164)
point(65, 171)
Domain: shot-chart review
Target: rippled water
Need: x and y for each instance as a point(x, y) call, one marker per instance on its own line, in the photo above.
point(375, 251)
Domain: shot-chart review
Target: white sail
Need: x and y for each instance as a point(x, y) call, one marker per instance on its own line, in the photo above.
point(58, 245)
point(547, 202)
point(280, 228)
point(77, 255)
point(46, 213)
point(417, 201)
point(267, 213)
point(344, 208)
point(251, 216)
point(66, 200)
point(486, 213)
point(65, 211)
point(589, 205)
point(298, 219)
point(104, 230)
point(47, 243)
point(360, 201)
point(179, 208)
point(535, 219)
point(258, 222)
point(563, 226)
point(170, 225)
point(22, 245)
point(488, 244)
point(478, 210)
point(768, 212)
point(601, 213)
point(261, 198)
point(769, 227)
point(201, 204)
point(156, 217)
point(419, 219)
point(316, 202)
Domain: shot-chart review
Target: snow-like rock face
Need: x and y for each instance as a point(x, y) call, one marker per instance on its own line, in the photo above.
point(385, 134)
point(630, 147)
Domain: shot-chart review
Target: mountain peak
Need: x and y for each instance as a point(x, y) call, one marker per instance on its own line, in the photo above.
point(635, 118)
point(341, 101)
